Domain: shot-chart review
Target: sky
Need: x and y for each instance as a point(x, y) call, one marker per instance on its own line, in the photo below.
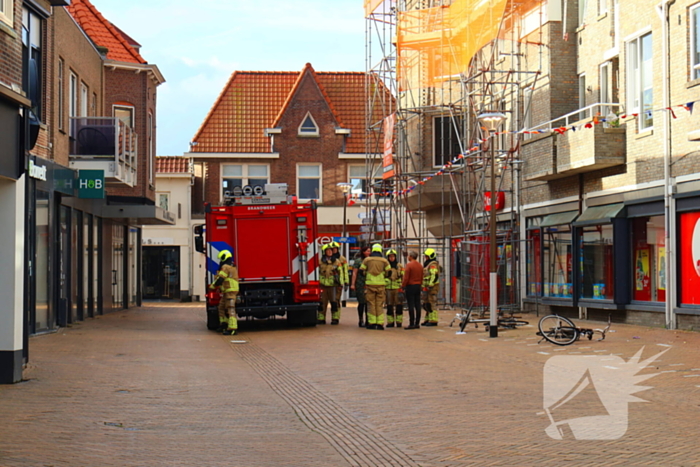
point(198, 45)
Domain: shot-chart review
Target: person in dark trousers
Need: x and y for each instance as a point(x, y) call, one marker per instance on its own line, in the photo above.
point(358, 285)
point(411, 285)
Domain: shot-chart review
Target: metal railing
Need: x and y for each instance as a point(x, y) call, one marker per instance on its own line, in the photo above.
point(105, 139)
point(608, 111)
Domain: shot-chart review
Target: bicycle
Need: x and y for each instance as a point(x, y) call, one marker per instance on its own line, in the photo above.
point(509, 322)
point(562, 331)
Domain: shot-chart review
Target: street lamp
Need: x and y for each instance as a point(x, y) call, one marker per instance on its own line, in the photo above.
point(491, 121)
point(345, 188)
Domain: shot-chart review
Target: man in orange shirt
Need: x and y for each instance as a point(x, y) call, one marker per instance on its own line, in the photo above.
point(411, 284)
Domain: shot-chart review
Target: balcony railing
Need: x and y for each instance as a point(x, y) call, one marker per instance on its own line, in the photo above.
point(104, 143)
point(554, 155)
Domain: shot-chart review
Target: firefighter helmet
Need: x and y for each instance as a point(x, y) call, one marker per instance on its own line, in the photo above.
point(326, 246)
point(224, 255)
point(430, 253)
point(376, 247)
point(391, 251)
point(335, 245)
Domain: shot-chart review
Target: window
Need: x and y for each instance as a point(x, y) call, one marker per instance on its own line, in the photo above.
point(60, 97)
point(93, 107)
point(241, 175)
point(446, 143)
point(31, 58)
point(163, 200)
point(6, 11)
point(597, 262)
point(151, 165)
point(695, 42)
point(602, 7)
point(640, 97)
point(648, 255)
point(308, 126)
point(556, 250)
point(582, 94)
point(582, 6)
point(73, 96)
point(309, 181)
point(688, 259)
point(125, 114)
point(357, 177)
point(84, 99)
point(605, 96)
point(534, 263)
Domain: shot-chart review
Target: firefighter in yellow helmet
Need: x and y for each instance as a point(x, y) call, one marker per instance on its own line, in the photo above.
point(431, 286)
point(227, 282)
point(394, 304)
point(343, 278)
point(329, 270)
point(376, 268)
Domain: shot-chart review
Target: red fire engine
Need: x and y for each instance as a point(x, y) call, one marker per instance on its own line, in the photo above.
point(273, 240)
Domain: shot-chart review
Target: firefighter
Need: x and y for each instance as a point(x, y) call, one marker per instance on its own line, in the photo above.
point(329, 272)
point(227, 282)
point(376, 269)
point(431, 286)
point(394, 305)
point(358, 285)
point(342, 276)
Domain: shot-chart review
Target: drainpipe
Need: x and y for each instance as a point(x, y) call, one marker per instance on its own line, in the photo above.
point(669, 184)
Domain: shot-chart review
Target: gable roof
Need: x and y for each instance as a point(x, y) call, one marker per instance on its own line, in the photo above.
point(252, 101)
point(103, 33)
point(172, 164)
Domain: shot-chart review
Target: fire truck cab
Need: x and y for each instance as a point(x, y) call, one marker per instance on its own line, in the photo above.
point(273, 240)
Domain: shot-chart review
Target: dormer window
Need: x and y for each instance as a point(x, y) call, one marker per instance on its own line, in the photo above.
point(308, 126)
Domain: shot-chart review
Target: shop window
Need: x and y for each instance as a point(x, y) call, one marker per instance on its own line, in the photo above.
point(534, 262)
point(556, 252)
point(649, 259)
point(596, 262)
point(689, 258)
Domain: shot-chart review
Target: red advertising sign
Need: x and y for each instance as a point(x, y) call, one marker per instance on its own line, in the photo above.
point(500, 200)
point(388, 162)
point(689, 257)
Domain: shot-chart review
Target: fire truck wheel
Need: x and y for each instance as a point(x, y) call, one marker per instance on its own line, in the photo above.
point(212, 318)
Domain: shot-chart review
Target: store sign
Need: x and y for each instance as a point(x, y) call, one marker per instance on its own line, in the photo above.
point(37, 171)
point(91, 184)
point(500, 200)
point(388, 159)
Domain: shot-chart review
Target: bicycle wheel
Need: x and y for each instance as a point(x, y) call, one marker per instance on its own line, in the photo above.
point(465, 320)
point(558, 330)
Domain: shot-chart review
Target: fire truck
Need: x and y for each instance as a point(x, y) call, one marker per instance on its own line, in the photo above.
point(273, 240)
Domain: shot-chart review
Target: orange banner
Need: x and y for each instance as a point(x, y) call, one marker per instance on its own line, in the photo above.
point(388, 161)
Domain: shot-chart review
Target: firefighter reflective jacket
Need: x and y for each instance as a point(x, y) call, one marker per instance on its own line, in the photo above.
point(343, 271)
point(330, 272)
point(394, 277)
point(226, 279)
point(377, 268)
point(431, 274)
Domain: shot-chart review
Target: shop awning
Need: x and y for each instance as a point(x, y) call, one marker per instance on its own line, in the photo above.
point(560, 218)
point(139, 214)
point(600, 214)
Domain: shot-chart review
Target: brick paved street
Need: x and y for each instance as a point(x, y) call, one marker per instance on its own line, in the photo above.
point(150, 386)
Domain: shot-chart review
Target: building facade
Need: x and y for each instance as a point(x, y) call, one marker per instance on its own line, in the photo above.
point(89, 166)
point(305, 129)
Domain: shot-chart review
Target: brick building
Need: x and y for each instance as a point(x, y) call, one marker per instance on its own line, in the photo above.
point(88, 149)
point(305, 129)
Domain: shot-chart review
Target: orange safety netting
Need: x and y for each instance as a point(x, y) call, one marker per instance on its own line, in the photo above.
point(436, 44)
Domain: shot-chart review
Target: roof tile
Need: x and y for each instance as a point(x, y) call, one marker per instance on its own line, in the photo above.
point(103, 33)
point(172, 164)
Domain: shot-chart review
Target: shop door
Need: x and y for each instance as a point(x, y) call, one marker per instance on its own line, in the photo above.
point(161, 272)
point(64, 266)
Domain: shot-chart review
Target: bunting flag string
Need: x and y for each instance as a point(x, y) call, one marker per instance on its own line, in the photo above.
point(622, 118)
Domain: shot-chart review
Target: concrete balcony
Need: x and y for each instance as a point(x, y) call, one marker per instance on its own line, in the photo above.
point(553, 155)
point(104, 143)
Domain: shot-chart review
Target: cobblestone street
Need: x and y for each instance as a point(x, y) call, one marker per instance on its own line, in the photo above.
point(151, 386)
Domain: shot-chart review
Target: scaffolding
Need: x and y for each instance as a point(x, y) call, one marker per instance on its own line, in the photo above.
point(446, 62)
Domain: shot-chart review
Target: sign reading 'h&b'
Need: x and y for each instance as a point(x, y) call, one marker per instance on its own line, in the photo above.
point(91, 184)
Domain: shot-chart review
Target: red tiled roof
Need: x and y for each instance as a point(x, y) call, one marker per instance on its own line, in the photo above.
point(254, 100)
point(103, 33)
point(172, 164)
